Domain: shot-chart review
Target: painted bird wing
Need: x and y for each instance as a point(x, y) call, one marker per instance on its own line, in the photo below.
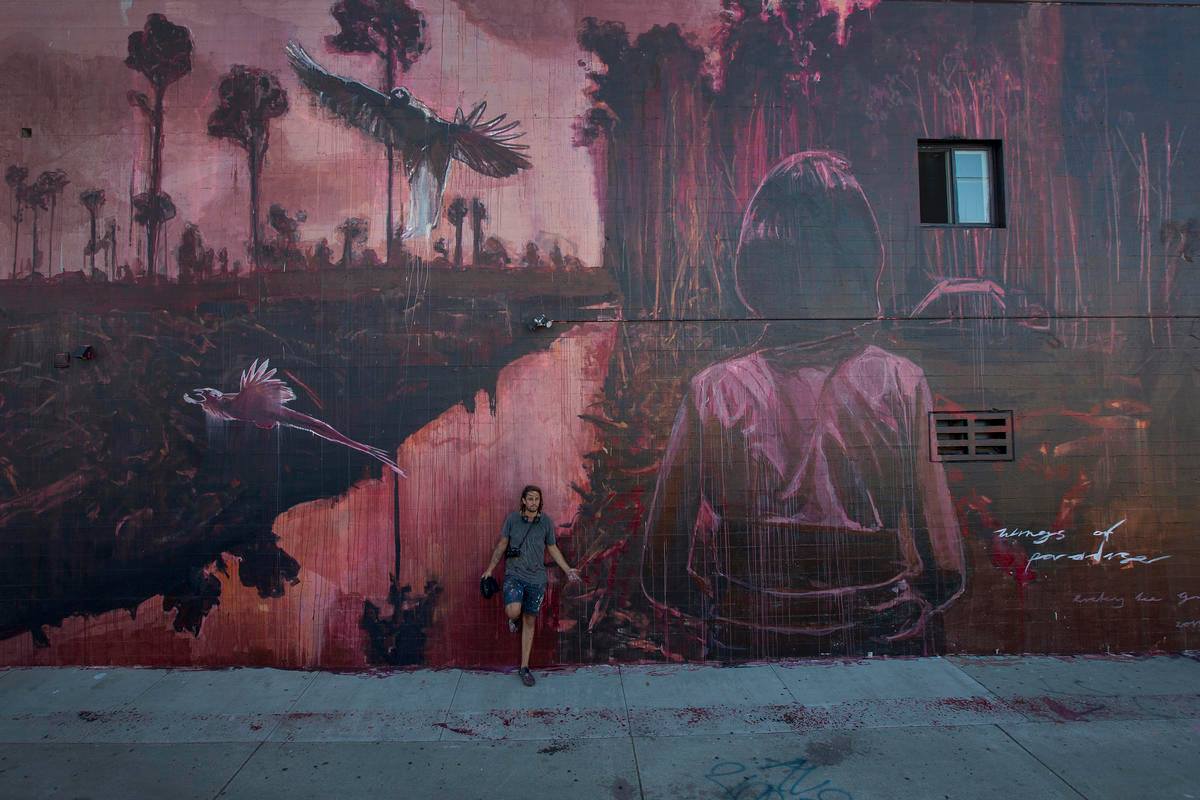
point(360, 106)
point(487, 146)
point(260, 387)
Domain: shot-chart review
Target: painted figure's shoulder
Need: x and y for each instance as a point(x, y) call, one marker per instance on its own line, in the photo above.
point(731, 370)
point(725, 388)
point(894, 363)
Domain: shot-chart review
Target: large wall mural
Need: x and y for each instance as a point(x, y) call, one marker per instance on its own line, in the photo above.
point(269, 383)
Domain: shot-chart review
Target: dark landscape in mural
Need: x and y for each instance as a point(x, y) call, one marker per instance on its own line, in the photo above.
point(305, 250)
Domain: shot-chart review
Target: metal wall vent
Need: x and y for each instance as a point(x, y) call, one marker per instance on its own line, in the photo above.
point(971, 436)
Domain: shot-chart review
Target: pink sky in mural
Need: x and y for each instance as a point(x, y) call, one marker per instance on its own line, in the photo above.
point(523, 64)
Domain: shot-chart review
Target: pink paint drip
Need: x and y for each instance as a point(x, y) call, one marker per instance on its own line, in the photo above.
point(842, 9)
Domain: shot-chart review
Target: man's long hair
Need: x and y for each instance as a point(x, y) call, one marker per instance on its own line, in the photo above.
point(527, 490)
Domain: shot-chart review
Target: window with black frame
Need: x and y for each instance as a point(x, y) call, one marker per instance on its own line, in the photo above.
point(960, 183)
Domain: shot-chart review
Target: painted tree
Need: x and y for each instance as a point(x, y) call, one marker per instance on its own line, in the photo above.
point(443, 252)
point(194, 259)
point(248, 99)
point(162, 52)
point(51, 184)
point(287, 228)
point(393, 31)
point(36, 201)
point(494, 253)
point(152, 211)
point(322, 255)
point(533, 256)
point(287, 237)
point(766, 74)
point(456, 212)
point(478, 215)
point(109, 244)
point(93, 201)
point(15, 176)
point(354, 232)
point(656, 88)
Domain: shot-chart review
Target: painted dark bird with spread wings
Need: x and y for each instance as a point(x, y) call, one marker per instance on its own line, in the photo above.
point(427, 142)
point(262, 399)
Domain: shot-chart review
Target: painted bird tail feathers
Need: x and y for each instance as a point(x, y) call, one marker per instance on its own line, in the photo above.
point(296, 419)
point(382, 455)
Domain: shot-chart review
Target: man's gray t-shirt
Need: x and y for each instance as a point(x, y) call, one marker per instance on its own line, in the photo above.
point(532, 538)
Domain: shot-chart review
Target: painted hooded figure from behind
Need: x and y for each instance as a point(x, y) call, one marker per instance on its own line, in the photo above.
point(796, 509)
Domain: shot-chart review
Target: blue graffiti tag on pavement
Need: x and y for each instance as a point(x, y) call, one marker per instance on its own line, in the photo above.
point(769, 779)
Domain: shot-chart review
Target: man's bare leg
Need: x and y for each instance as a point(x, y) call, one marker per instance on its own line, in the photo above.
point(513, 612)
point(530, 620)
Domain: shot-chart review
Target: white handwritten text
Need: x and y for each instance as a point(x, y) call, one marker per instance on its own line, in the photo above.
point(1120, 556)
point(1039, 537)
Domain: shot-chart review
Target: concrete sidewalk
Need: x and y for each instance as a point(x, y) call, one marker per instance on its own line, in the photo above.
point(1109, 727)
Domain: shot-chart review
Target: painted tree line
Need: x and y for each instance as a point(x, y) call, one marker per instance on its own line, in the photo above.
point(779, 84)
point(248, 100)
point(38, 197)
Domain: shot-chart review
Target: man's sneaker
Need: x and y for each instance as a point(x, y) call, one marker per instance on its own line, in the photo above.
point(526, 676)
point(512, 626)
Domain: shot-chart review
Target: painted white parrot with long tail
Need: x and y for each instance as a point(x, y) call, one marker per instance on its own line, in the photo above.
point(262, 399)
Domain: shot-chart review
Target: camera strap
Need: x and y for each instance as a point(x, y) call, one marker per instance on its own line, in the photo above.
point(528, 527)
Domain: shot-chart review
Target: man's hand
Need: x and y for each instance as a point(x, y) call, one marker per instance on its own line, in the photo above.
point(573, 576)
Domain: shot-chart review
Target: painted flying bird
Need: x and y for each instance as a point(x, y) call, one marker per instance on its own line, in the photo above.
point(262, 401)
point(427, 142)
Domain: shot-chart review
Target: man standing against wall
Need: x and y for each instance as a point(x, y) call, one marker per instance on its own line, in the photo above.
point(526, 537)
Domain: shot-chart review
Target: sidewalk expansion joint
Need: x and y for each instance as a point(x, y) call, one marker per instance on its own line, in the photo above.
point(267, 737)
point(637, 770)
point(446, 716)
point(1045, 766)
